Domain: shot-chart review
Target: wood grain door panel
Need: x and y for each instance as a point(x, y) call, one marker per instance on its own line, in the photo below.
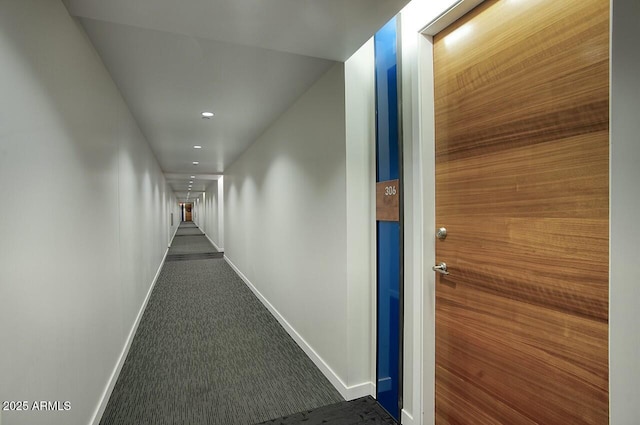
point(522, 166)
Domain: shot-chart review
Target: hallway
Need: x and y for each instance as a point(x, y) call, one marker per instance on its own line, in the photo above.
point(262, 117)
point(208, 352)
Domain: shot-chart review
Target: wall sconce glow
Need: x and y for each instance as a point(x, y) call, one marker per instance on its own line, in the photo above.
point(197, 147)
point(458, 34)
point(195, 163)
point(207, 115)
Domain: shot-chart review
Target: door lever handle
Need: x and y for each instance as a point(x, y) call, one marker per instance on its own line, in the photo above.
point(440, 268)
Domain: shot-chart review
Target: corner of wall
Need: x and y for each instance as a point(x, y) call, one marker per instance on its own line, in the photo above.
point(344, 390)
point(360, 225)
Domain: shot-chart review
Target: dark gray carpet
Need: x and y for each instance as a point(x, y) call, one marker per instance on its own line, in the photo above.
point(196, 256)
point(188, 228)
point(190, 245)
point(363, 411)
point(188, 231)
point(190, 240)
point(208, 352)
point(185, 224)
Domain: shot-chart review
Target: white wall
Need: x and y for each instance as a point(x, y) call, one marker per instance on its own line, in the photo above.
point(418, 241)
point(220, 199)
point(361, 224)
point(413, 18)
point(624, 289)
point(92, 227)
point(196, 209)
point(285, 230)
point(361, 236)
point(209, 213)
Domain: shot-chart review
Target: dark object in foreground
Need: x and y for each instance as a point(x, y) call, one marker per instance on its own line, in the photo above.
point(364, 410)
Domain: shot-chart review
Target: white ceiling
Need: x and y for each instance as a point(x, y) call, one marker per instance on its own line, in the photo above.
point(245, 60)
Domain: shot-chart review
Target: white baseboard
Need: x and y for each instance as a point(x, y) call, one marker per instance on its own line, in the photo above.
point(360, 390)
point(97, 416)
point(406, 418)
point(348, 392)
point(171, 241)
point(213, 243)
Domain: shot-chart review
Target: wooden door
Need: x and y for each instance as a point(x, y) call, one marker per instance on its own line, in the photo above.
point(522, 152)
point(188, 215)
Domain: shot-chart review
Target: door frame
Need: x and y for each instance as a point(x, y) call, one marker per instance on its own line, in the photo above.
point(418, 28)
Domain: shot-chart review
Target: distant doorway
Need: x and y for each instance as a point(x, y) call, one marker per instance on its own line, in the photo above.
point(187, 212)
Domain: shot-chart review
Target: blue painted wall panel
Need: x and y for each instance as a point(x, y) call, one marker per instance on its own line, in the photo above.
point(388, 316)
point(388, 233)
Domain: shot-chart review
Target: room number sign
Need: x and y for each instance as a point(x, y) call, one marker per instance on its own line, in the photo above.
point(388, 200)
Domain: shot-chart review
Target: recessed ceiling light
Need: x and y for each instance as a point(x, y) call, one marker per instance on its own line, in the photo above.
point(190, 181)
point(197, 147)
point(207, 115)
point(195, 163)
point(193, 177)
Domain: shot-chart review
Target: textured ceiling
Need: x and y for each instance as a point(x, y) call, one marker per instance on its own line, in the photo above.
point(245, 60)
